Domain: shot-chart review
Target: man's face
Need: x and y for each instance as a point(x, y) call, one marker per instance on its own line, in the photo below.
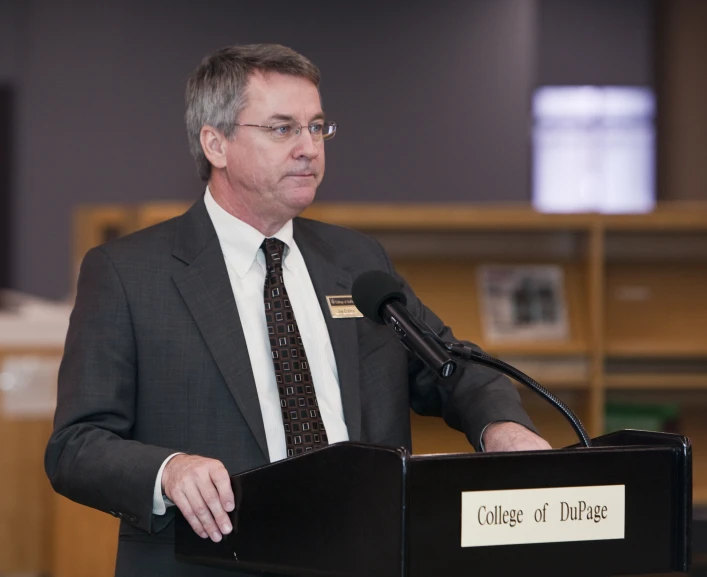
point(277, 177)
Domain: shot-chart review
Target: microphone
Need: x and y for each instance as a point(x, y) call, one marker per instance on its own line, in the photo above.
point(379, 298)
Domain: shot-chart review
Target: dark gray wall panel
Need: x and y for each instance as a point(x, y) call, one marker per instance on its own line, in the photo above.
point(432, 103)
point(6, 165)
point(432, 98)
point(596, 42)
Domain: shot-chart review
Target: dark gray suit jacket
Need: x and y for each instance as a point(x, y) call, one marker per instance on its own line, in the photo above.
point(156, 362)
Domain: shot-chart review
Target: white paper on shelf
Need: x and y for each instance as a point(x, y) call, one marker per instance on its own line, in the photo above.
point(32, 334)
point(32, 322)
point(28, 386)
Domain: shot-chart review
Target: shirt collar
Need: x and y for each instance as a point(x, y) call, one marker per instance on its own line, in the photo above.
point(239, 241)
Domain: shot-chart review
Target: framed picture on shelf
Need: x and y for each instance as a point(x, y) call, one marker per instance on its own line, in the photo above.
point(523, 303)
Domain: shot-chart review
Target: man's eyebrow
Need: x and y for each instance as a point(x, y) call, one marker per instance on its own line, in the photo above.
point(288, 118)
point(282, 117)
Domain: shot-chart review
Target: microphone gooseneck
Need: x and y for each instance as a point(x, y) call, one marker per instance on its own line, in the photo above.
point(469, 354)
point(379, 298)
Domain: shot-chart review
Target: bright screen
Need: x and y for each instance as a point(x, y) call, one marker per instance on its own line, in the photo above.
point(593, 149)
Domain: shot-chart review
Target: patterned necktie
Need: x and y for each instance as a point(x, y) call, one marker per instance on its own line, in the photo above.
point(304, 428)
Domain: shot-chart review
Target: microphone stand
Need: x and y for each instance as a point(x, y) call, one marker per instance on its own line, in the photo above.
point(469, 354)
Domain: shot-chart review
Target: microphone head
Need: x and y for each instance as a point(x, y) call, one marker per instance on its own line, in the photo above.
point(373, 288)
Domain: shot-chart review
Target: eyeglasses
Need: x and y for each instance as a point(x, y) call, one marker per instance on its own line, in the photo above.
point(286, 130)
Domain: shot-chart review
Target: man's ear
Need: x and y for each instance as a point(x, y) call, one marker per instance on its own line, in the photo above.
point(213, 143)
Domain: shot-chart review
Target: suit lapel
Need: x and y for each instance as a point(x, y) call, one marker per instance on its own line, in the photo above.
point(206, 290)
point(329, 277)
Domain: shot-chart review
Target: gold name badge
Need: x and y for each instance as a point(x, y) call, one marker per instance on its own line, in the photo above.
point(342, 307)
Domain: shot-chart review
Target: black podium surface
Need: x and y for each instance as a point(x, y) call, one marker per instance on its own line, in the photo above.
point(361, 510)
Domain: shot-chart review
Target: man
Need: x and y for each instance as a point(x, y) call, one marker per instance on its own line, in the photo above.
point(180, 368)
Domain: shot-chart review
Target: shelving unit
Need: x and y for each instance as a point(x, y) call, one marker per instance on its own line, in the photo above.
point(656, 329)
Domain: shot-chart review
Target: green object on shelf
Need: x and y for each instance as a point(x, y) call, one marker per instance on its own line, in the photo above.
point(645, 417)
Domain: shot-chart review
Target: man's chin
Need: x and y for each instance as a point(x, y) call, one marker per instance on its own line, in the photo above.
point(301, 197)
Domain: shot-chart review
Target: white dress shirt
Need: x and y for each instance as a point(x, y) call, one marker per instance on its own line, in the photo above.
point(245, 262)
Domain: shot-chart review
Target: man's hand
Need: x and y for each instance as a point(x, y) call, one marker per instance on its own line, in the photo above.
point(508, 436)
point(201, 488)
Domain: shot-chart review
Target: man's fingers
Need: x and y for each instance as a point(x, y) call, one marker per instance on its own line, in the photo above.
point(211, 497)
point(181, 501)
point(202, 491)
point(222, 481)
point(202, 511)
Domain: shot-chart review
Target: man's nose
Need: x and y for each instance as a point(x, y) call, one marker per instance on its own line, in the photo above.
point(305, 145)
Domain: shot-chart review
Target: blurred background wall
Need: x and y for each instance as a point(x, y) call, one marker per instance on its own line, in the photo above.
point(433, 99)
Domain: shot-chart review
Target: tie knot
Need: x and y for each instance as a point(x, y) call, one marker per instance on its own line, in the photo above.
point(273, 249)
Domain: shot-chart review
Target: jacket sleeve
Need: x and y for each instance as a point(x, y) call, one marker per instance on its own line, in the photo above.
point(470, 400)
point(90, 457)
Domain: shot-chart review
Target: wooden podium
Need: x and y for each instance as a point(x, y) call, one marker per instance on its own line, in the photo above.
point(354, 509)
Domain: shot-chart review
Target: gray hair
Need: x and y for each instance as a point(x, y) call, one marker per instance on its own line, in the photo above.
point(216, 91)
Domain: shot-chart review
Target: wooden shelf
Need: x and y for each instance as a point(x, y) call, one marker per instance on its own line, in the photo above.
point(92, 222)
point(156, 212)
point(541, 349)
point(654, 349)
point(445, 217)
point(666, 217)
point(656, 310)
point(48, 350)
point(85, 540)
point(25, 498)
point(660, 382)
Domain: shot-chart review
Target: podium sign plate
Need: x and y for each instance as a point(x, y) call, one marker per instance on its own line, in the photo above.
point(555, 515)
